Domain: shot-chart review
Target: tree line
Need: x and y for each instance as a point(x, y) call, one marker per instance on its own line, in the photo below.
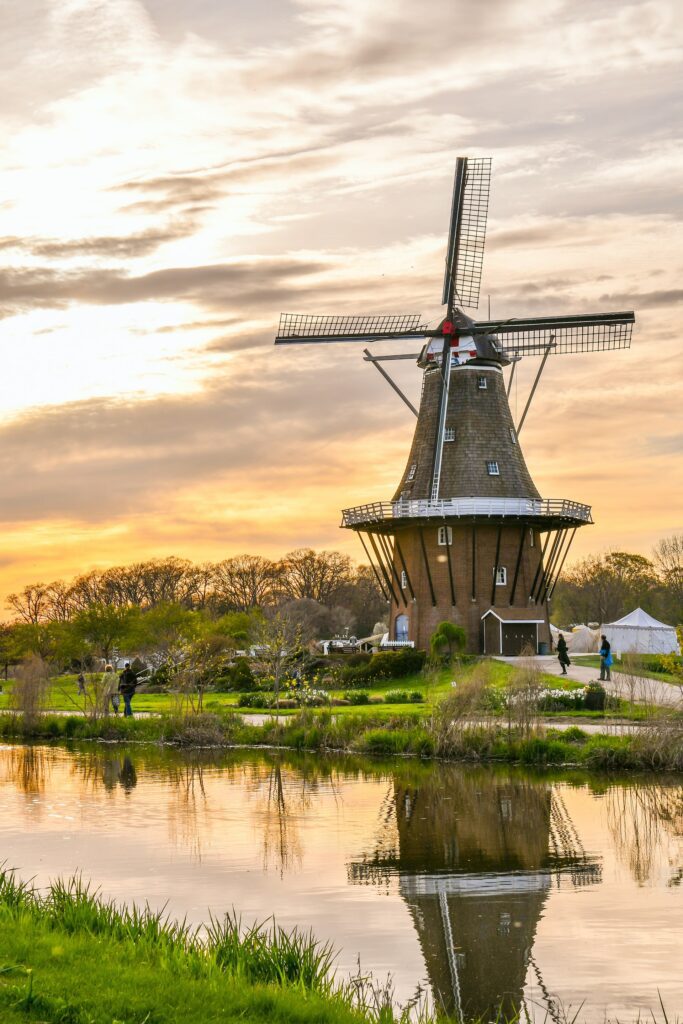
point(160, 605)
point(602, 588)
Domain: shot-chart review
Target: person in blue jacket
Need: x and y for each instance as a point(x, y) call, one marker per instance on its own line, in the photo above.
point(605, 659)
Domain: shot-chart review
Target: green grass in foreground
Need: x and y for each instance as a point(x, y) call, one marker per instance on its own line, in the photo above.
point(67, 957)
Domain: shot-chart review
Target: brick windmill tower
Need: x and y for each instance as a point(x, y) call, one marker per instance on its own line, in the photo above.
point(467, 537)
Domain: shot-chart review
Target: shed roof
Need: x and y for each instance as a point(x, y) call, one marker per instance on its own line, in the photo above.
point(515, 614)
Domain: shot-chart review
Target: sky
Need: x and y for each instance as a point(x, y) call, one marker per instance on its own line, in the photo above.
point(175, 174)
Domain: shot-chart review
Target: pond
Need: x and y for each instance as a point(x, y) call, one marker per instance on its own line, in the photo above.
point(481, 885)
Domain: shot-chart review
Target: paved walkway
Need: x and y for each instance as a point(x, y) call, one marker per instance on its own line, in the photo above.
point(643, 690)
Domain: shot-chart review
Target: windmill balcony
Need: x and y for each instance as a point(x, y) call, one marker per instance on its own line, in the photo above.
point(544, 511)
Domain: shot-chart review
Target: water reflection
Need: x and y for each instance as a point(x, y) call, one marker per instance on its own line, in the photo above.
point(465, 875)
point(476, 854)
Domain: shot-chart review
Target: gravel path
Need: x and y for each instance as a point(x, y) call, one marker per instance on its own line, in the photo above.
point(648, 691)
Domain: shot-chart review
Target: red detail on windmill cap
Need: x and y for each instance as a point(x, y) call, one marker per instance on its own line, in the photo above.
point(448, 327)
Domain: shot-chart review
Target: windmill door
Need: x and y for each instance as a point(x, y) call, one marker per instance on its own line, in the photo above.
point(518, 637)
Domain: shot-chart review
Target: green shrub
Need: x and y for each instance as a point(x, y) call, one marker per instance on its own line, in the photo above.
point(385, 665)
point(574, 735)
point(416, 697)
point(595, 697)
point(236, 676)
point(357, 696)
point(396, 697)
point(253, 700)
point(385, 741)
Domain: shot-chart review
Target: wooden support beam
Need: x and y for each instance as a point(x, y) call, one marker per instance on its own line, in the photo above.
point(551, 573)
point(450, 568)
point(426, 561)
point(389, 555)
point(564, 558)
point(559, 536)
point(495, 566)
point(380, 582)
point(405, 567)
point(539, 566)
point(387, 578)
point(535, 384)
point(388, 379)
point(474, 563)
point(522, 535)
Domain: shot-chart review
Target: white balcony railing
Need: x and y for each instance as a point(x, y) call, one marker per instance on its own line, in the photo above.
point(455, 508)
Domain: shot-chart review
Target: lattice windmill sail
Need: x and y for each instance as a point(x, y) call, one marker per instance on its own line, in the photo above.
point(467, 536)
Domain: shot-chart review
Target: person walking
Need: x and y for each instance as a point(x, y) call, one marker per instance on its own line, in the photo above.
point(110, 694)
point(563, 654)
point(80, 679)
point(128, 681)
point(605, 659)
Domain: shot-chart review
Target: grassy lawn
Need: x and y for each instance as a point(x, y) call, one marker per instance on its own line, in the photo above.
point(593, 661)
point(63, 695)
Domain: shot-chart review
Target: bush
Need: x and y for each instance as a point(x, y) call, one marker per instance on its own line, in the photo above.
point(357, 697)
point(253, 700)
point(595, 697)
point(396, 697)
point(416, 697)
point(236, 676)
point(385, 665)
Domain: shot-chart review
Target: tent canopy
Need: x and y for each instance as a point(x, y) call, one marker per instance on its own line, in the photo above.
point(640, 633)
point(639, 619)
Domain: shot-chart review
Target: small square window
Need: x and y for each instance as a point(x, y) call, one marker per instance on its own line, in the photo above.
point(492, 469)
point(501, 576)
point(445, 535)
point(449, 434)
point(513, 436)
point(412, 471)
point(404, 579)
point(482, 383)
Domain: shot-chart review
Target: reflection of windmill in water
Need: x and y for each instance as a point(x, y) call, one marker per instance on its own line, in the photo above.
point(475, 856)
point(467, 536)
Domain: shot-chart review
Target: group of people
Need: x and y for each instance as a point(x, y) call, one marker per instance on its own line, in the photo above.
point(605, 657)
point(114, 688)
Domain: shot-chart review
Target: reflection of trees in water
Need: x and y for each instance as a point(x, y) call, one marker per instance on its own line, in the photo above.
point(189, 812)
point(28, 768)
point(643, 819)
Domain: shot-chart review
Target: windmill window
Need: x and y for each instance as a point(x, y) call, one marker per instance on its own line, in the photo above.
point(445, 535)
point(501, 576)
point(482, 383)
point(412, 471)
point(531, 538)
point(492, 469)
point(513, 436)
point(449, 434)
point(404, 579)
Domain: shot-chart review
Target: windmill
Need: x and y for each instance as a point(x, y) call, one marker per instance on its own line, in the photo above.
point(467, 537)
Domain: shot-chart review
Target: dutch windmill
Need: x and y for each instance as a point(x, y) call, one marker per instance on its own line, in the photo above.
point(467, 537)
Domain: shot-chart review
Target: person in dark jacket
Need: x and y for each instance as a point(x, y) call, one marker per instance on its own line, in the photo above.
point(562, 654)
point(605, 659)
point(128, 682)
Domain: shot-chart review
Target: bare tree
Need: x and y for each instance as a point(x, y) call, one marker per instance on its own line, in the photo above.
point(318, 575)
point(244, 582)
point(31, 604)
point(276, 638)
point(668, 558)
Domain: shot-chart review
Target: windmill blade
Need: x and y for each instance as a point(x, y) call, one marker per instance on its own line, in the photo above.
point(467, 233)
point(596, 332)
point(301, 329)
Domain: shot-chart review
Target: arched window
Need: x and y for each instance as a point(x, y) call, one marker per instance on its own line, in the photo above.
point(401, 627)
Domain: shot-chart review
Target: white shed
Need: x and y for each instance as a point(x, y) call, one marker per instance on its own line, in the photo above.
point(640, 633)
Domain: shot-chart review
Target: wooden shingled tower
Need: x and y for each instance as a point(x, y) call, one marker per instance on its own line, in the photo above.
point(467, 537)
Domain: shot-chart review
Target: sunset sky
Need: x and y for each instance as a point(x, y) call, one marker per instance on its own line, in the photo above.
point(176, 173)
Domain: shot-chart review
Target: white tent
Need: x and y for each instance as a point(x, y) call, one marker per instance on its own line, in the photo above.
point(579, 639)
point(641, 633)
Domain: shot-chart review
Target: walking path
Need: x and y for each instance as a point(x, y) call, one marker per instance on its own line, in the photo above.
point(640, 689)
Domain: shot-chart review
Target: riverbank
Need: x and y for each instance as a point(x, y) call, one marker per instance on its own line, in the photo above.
point(69, 956)
point(657, 746)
